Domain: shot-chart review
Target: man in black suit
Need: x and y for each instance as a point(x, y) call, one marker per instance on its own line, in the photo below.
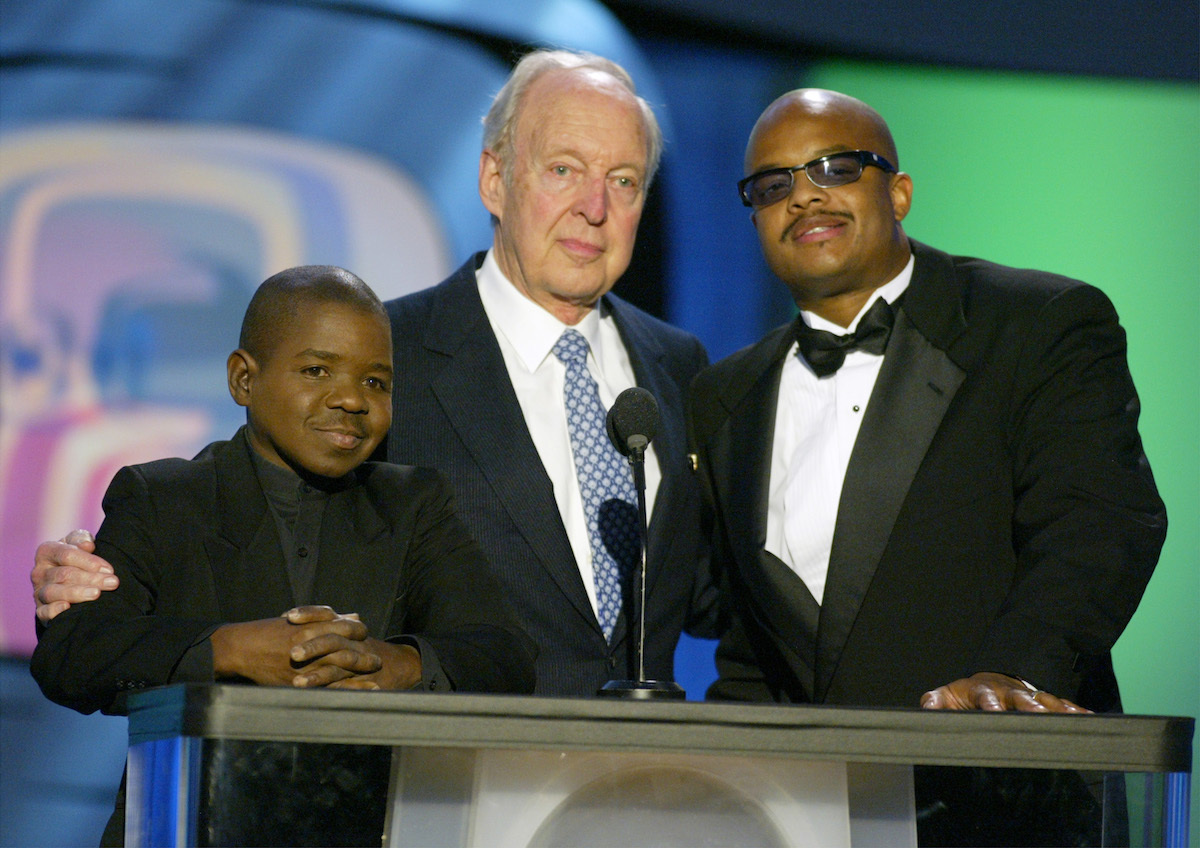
point(211, 551)
point(569, 153)
point(222, 559)
point(960, 515)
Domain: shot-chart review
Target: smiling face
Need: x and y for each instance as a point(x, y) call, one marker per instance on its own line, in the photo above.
point(318, 399)
point(566, 224)
point(831, 246)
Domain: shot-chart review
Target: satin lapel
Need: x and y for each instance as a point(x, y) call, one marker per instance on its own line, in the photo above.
point(785, 607)
point(476, 395)
point(742, 458)
point(916, 384)
point(245, 558)
point(360, 564)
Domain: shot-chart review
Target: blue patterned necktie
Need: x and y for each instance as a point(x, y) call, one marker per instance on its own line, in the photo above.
point(605, 482)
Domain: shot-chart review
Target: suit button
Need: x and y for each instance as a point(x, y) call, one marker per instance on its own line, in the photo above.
point(612, 662)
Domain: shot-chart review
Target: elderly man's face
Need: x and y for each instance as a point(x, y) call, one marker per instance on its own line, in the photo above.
point(569, 218)
point(828, 242)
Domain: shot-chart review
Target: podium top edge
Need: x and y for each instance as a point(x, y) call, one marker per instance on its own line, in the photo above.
point(1130, 743)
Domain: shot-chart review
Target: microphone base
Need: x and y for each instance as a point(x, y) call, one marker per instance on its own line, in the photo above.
point(643, 690)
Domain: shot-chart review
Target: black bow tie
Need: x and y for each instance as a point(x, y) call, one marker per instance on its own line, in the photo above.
point(826, 352)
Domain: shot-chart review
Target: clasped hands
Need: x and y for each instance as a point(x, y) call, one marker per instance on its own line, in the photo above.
point(306, 647)
point(312, 646)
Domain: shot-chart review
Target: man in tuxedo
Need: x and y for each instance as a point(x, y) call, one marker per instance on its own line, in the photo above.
point(942, 499)
point(481, 393)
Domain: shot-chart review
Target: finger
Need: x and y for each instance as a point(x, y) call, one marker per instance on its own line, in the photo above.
point(355, 682)
point(338, 666)
point(317, 676)
point(1030, 700)
point(70, 593)
point(331, 648)
point(346, 628)
point(57, 555)
point(933, 700)
point(1054, 704)
point(310, 614)
point(80, 539)
point(46, 612)
point(984, 697)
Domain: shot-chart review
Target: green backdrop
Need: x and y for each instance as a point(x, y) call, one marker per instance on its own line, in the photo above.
point(1099, 180)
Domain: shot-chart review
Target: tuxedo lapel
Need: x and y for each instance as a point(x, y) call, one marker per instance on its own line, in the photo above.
point(741, 462)
point(916, 385)
point(245, 558)
point(742, 452)
point(477, 398)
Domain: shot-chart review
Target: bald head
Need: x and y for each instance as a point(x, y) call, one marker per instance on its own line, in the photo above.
point(819, 104)
point(283, 296)
point(500, 123)
point(832, 244)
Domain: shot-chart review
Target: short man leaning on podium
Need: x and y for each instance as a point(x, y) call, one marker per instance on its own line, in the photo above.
point(223, 558)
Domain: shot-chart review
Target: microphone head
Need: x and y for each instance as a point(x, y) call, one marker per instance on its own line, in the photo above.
point(633, 420)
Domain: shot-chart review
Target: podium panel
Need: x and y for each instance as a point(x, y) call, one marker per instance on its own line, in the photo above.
point(225, 765)
point(541, 799)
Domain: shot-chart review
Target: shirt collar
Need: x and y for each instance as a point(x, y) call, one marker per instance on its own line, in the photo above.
point(889, 291)
point(529, 329)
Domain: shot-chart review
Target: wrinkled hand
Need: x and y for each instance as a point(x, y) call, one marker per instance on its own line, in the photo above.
point(67, 572)
point(995, 693)
point(306, 646)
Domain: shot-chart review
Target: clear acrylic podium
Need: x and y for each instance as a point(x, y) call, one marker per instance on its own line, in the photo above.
point(245, 765)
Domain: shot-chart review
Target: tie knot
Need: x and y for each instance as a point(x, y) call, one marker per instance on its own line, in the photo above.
point(571, 347)
point(826, 352)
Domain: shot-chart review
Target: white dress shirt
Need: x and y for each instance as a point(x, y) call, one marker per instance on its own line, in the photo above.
point(527, 333)
point(816, 424)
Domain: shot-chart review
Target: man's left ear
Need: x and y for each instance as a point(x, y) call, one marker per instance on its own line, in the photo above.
point(901, 187)
point(241, 369)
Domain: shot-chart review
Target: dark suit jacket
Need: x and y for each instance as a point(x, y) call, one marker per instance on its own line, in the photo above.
point(195, 545)
point(456, 411)
point(998, 513)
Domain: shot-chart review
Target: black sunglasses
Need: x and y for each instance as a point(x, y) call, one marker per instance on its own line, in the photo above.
point(836, 169)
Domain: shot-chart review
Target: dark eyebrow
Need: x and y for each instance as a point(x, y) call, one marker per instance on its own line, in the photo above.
point(327, 355)
point(330, 356)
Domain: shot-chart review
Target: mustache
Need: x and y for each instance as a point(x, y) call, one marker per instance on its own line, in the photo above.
point(787, 231)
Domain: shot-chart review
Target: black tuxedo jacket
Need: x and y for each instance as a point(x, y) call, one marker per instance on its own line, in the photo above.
point(456, 411)
point(998, 513)
point(195, 545)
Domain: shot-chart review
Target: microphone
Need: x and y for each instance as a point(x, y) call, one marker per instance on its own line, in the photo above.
point(633, 420)
point(632, 423)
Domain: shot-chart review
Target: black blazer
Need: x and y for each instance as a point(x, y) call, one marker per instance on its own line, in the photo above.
point(195, 545)
point(998, 513)
point(455, 410)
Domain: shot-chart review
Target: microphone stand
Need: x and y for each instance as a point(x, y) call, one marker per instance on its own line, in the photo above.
point(641, 689)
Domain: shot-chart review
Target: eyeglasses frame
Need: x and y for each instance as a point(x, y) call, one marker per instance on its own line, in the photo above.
point(864, 157)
